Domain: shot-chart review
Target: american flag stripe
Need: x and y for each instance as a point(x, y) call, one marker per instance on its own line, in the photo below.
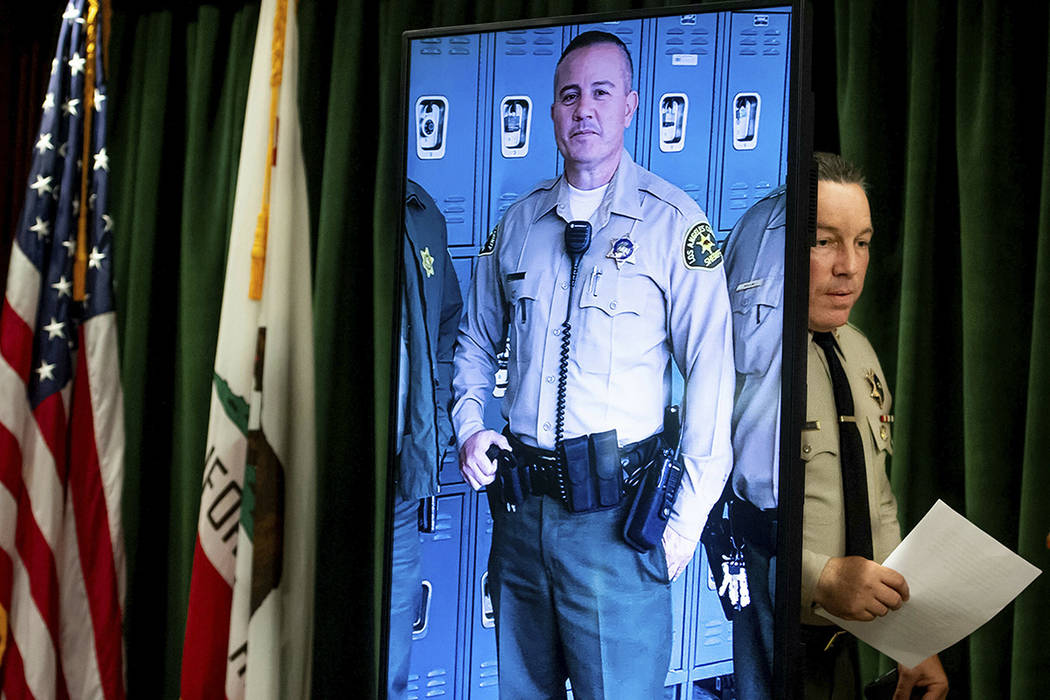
point(37, 471)
point(61, 562)
point(33, 549)
point(27, 628)
point(103, 371)
point(16, 343)
point(96, 553)
point(78, 659)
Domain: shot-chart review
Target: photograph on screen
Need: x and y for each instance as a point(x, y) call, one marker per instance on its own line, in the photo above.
point(591, 321)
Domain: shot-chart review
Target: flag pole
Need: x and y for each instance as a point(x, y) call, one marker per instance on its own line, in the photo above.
point(80, 259)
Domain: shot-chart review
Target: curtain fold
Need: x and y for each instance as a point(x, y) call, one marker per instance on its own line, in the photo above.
point(180, 80)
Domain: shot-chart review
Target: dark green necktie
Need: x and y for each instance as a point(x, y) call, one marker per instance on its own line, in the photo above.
point(851, 454)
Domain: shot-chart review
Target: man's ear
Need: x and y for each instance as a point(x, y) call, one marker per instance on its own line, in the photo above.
point(632, 107)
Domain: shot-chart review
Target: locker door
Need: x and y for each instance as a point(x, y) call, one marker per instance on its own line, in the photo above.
point(676, 673)
point(682, 102)
point(522, 145)
point(713, 647)
point(484, 672)
point(436, 636)
point(442, 127)
point(755, 137)
point(630, 33)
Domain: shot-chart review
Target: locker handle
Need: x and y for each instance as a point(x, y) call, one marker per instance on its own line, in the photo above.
point(488, 614)
point(426, 517)
point(673, 113)
point(746, 107)
point(422, 621)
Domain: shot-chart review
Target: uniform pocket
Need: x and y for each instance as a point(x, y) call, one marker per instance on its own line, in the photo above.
point(610, 314)
point(758, 323)
point(881, 434)
point(818, 440)
point(654, 563)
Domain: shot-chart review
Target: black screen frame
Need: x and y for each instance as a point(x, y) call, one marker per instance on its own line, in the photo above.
point(801, 213)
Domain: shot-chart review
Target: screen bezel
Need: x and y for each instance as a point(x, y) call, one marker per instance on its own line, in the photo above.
point(801, 208)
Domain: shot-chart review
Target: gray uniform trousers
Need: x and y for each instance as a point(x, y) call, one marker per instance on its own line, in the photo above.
point(573, 600)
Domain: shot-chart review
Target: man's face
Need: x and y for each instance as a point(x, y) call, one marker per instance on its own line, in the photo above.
point(839, 259)
point(593, 104)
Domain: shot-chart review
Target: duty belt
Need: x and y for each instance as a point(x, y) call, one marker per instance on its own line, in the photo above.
point(546, 474)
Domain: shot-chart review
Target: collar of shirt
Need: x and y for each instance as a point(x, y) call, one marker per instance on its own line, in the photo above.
point(621, 198)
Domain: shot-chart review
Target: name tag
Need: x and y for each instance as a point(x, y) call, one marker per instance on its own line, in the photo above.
point(749, 285)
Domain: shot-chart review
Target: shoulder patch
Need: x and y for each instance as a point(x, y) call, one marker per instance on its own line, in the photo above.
point(701, 250)
point(490, 242)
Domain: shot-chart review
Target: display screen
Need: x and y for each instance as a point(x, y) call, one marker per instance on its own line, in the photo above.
point(489, 153)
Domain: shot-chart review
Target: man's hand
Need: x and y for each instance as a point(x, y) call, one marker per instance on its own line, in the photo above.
point(855, 588)
point(678, 551)
point(929, 675)
point(476, 468)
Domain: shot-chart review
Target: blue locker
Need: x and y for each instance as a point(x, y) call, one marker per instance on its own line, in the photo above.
point(754, 136)
point(713, 643)
point(630, 33)
point(677, 670)
point(522, 149)
point(682, 102)
point(436, 637)
point(484, 673)
point(442, 127)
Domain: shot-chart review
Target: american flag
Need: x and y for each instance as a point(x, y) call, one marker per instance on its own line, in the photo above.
point(61, 411)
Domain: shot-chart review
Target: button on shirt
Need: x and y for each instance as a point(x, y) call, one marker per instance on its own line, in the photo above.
point(755, 274)
point(627, 323)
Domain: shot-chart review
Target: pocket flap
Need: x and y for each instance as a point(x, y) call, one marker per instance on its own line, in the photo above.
point(818, 437)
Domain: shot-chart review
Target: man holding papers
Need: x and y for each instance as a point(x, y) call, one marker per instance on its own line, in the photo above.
point(850, 517)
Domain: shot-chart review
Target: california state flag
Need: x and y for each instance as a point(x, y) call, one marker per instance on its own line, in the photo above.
point(249, 625)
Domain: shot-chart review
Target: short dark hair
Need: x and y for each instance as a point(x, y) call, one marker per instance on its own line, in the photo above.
point(831, 167)
point(590, 39)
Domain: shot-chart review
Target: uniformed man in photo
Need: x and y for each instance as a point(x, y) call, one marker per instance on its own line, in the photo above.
point(431, 305)
point(850, 514)
point(600, 278)
point(754, 260)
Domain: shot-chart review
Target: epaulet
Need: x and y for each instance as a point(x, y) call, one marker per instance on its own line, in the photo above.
point(490, 242)
point(671, 194)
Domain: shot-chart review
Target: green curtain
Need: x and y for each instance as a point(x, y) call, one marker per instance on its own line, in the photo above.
point(943, 105)
point(178, 85)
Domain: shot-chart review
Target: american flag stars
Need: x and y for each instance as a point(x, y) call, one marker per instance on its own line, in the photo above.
point(95, 259)
point(41, 228)
point(54, 329)
point(64, 287)
point(46, 370)
point(101, 160)
point(43, 144)
point(76, 64)
point(41, 185)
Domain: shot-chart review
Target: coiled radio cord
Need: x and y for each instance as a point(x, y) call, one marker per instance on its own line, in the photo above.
point(563, 360)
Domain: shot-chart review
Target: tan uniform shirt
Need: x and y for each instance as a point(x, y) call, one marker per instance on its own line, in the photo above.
point(824, 520)
point(668, 299)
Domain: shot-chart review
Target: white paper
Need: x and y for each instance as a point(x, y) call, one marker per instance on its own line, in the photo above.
point(958, 578)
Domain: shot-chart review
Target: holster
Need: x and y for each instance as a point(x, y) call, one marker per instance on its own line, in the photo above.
point(511, 485)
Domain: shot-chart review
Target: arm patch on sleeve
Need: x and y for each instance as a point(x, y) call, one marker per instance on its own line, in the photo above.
point(701, 251)
point(490, 242)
